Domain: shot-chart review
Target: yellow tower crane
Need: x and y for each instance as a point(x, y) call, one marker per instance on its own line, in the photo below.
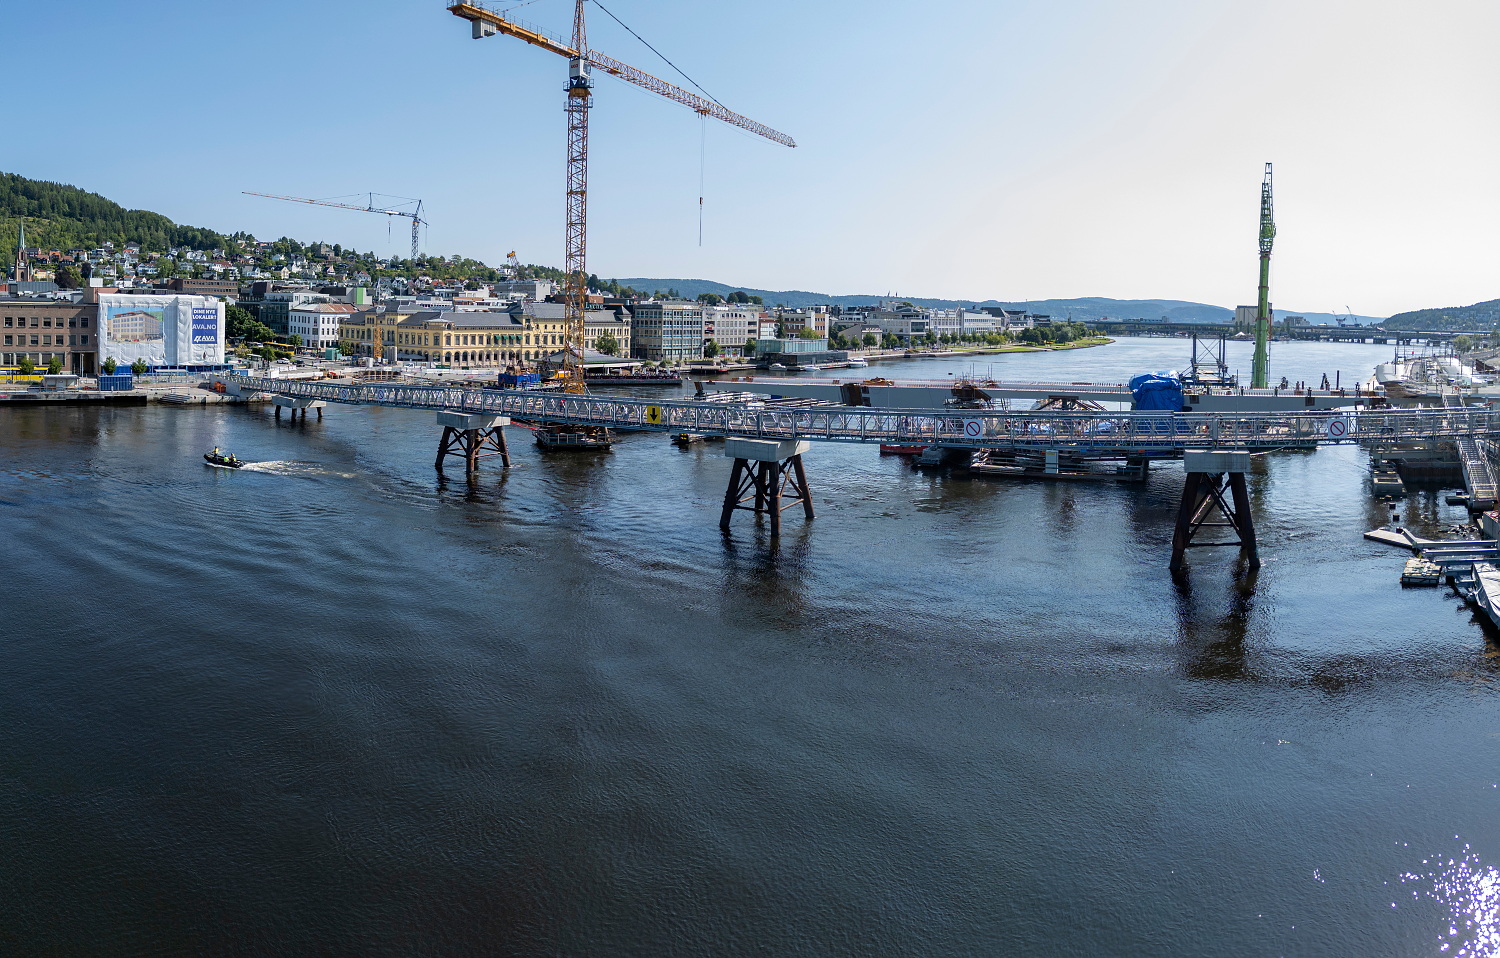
point(581, 59)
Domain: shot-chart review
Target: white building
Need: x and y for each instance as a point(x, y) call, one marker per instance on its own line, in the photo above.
point(732, 326)
point(318, 323)
point(670, 330)
point(162, 330)
point(793, 321)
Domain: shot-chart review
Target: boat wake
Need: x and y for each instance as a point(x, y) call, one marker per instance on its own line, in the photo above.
point(296, 469)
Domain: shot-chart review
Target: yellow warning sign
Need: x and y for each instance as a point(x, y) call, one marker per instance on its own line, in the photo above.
point(653, 415)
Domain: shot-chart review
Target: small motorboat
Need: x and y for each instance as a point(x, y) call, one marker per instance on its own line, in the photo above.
point(777, 366)
point(216, 458)
point(857, 363)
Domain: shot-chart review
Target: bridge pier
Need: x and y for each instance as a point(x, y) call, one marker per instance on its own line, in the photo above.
point(766, 472)
point(295, 403)
point(1210, 475)
point(472, 437)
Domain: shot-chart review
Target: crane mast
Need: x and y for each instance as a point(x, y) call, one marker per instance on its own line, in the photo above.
point(580, 58)
point(575, 244)
point(1260, 371)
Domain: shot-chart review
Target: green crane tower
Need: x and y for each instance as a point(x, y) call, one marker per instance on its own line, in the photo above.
point(1260, 372)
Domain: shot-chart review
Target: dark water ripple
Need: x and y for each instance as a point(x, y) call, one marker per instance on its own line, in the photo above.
point(336, 706)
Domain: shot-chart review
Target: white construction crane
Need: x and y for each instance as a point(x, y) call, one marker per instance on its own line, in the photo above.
point(414, 215)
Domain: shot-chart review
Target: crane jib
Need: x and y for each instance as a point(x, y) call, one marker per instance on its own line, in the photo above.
point(610, 65)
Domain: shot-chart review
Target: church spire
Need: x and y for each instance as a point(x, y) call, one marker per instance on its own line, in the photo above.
point(23, 265)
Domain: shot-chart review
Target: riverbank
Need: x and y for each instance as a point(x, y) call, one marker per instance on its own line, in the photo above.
point(884, 355)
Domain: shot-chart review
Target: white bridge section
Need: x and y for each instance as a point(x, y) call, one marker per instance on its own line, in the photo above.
point(1102, 434)
point(932, 394)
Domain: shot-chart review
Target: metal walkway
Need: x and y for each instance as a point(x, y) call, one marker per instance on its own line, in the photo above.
point(1478, 476)
point(1101, 434)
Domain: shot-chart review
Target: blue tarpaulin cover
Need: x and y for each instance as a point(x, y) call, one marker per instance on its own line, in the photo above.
point(1157, 391)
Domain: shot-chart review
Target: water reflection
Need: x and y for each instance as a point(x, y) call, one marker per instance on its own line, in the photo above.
point(770, 570)
point(1212, 644)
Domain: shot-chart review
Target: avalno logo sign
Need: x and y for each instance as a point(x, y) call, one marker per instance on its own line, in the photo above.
point(205, 325)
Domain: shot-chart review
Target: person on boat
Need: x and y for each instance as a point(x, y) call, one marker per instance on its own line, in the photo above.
point(216, 450)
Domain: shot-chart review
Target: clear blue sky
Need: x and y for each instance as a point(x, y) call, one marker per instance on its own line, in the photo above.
point(1011, 149)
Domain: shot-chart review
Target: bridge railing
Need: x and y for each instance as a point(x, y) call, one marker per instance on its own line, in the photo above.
point(1083, 431)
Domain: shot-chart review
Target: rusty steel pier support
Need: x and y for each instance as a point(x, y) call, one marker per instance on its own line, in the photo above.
point(1209, 476)
point(771, 474)
point(472, 437)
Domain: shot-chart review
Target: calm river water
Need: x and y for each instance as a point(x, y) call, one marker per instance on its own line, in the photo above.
point(334, 706)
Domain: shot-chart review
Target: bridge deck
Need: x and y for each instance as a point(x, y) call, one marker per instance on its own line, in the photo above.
point(1120, 434)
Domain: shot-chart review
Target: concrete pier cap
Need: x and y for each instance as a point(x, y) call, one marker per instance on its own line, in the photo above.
point(1216, 460)
point(298, 402)
point(470, 420)
point(765, 450)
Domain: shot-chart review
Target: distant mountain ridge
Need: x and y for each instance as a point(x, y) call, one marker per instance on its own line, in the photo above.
point(1084, 308)
point(1480, 316)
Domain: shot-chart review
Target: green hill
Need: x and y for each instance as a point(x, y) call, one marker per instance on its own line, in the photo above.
point(58, 216)
point(1480, 316)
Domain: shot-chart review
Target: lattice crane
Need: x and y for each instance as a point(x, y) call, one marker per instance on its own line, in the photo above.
point(414, 215)
point(487, 23)
point(1260, 369)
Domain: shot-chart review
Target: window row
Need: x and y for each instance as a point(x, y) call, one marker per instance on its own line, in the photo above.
point(45, 322)
point(46, 340)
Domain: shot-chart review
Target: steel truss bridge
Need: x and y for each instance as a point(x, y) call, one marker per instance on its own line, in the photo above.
point(1087, 434)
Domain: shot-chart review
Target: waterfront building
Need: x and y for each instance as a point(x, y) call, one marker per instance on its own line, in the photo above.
point(797, 352)
point(275, 307)
point(521, 334)
point(793, 321)
point(318, 323)
point(40, 329)
point(670, 330)
point(548, 322)
point(172, 330)
point(732, 326)
point(854, 331)
point(979, 323)
point(902, 321)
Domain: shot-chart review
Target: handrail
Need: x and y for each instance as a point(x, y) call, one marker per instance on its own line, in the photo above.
point(1085, 432)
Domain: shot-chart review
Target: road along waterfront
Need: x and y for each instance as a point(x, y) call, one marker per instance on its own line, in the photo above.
point(333, 704)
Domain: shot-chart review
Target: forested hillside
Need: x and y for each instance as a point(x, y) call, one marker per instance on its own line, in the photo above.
point(64, 217)
point(1480, 316)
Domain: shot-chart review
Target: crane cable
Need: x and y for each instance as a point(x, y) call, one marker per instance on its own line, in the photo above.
point(703, 117)
point(702, 165)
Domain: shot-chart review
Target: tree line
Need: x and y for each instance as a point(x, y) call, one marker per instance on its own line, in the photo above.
point(58, 216)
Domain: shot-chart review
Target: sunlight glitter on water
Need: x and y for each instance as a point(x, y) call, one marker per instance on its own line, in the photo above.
point(1470, 891)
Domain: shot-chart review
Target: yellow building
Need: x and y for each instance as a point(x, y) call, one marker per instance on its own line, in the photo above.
point(519, 335)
